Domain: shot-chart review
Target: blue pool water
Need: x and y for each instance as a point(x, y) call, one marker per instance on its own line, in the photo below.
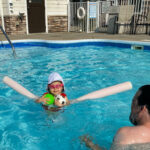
point(85, 66)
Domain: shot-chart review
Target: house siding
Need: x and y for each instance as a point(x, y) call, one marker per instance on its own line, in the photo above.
point(57, 7)
point(57, 15)
point(5, 7)
point(55, 11)
point(19, 6)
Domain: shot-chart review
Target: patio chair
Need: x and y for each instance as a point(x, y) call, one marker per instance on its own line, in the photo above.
point(147, 21)
point(124, 17)
point(141, 19)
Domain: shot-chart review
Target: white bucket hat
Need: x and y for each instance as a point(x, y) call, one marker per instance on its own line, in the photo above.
point(54, 76)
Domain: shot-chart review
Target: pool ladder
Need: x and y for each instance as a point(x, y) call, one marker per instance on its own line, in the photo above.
point(13, 49)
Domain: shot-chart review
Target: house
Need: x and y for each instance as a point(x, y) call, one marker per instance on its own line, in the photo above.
point(33, 16)
point(45, 16)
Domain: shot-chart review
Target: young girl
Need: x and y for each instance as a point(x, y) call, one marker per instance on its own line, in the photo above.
point(55, 87)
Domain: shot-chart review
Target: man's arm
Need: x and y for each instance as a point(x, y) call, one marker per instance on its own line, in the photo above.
point(89, 143)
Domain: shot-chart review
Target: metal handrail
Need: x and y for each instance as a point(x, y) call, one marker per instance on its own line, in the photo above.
point(13, 49)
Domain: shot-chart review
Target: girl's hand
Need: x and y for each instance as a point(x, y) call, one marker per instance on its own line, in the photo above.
point(42, 100)
point(57, 102)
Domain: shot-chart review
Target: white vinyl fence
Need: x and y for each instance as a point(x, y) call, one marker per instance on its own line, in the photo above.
point(122, 16)
point(88, 16)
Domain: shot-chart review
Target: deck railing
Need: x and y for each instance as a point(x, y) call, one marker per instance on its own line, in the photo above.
point(5, 34)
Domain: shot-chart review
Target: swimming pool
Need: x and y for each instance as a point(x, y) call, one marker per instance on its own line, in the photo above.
point(86, 66)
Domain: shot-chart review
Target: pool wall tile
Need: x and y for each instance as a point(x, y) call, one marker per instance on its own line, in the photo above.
point(74, 43)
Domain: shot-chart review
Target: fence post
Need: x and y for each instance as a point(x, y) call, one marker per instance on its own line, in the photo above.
point(97, 15)
point(68, 16)
point(87, 27)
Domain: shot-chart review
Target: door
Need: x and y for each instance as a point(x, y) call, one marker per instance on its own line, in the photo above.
point(36, 16)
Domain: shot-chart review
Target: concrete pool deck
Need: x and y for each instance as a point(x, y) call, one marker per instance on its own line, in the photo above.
point(77, 36)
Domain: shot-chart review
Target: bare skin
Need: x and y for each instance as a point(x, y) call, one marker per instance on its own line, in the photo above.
point(137, 134)
point(140, 117)
point(61, 105)
point(54, 91)
point(88, 141)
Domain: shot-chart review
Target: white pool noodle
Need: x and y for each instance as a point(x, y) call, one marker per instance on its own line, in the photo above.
point(93, 95)
point(107, 91)
point(19, 88)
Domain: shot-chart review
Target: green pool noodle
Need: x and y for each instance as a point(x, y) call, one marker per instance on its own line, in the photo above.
point(50, 98)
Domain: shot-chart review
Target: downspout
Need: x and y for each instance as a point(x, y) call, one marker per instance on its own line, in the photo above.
point(68, 13)
point(46, 17)
point(27, 23)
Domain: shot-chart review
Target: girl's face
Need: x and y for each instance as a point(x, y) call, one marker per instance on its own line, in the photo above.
point(56, 88)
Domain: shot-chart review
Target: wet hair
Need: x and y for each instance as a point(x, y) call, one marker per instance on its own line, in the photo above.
point(144, 97)
point(141, 99)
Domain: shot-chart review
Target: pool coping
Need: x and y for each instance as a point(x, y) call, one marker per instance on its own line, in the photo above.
point(77, 41)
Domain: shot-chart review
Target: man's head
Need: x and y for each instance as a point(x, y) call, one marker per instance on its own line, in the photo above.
point(141, 99)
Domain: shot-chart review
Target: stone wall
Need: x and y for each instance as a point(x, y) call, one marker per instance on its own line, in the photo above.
point(57, 23)
point(15, 24)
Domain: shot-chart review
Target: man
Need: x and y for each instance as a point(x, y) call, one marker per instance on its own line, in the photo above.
point(138, 136)
point(140, 117)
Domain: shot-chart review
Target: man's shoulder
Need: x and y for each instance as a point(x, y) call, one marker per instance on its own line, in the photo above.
point(132, 135)
point(124, 135)
point(124, 130)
